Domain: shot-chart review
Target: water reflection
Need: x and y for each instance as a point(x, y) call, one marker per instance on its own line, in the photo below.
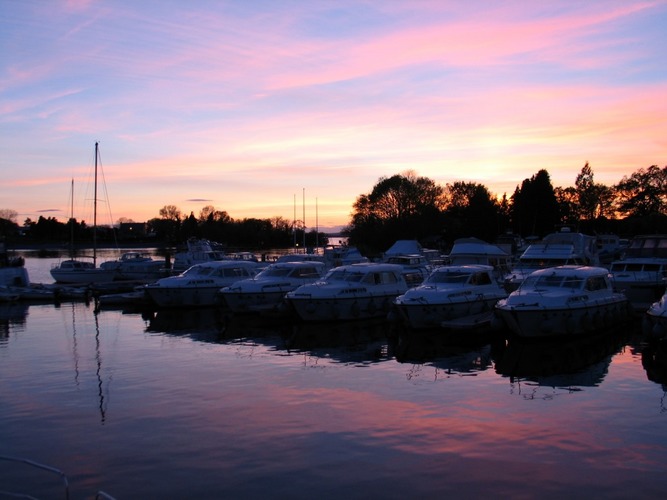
point(201, 324)
point(12, 315)
point(562, 362)
point(462, 354)
point(347, 342)
point(654, 361)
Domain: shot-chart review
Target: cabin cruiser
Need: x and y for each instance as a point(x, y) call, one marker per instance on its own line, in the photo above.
point(410, 256)
point(200, 284)
point(198, 252)
point(563, 300)
point(265, 292)
point(475, 251)
point(450, 292)
point(81, 272)
point(355, 291)
point(12, 269)
point(655, 318)
point(641, 273)
point(556, 249)
point(137, 266)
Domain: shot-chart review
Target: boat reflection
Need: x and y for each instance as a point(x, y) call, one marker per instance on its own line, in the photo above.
point(654, 361)
point(203, 324)
point(360, 342)
point(463, 355)
point(560, 362)
point(12, 315)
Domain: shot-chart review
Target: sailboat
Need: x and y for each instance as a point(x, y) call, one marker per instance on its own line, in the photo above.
point(74, 271)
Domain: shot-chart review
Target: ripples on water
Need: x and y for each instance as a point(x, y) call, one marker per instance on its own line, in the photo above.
point(191, 404)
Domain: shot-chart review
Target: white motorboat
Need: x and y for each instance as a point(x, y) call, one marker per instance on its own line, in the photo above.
point(265, 292)
point(355, 291)
point(556, 249)
point(200, 284)
point(641, 273)
point(198, 252)
point(137, 266)
point(475, 251)
point(450, 293)
point(409, 255)
point(80, 272)
point(655, 318)
point(564, 300)
point(12, 269)
point(332, 256)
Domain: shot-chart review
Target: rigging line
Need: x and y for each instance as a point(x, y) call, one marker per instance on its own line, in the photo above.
point(107, 198)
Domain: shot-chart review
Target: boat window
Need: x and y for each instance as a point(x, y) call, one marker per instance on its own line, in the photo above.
point(388, 278)
point(307, 272)
point(198, 271)
point(596, 283)
point(448, 277)
point(572, 282)
point(336, 275)
point(354, 277)
point(231, 272)
point(635, 268)
point(275, 271)
point(481, 279)
point(654, 268)
point(552, 281)
point(617, 268)
point(372, 278)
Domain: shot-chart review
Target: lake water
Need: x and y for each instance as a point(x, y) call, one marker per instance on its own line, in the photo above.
point(191, 404)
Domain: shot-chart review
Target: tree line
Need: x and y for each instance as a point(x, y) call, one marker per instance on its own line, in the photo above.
point(407, 206)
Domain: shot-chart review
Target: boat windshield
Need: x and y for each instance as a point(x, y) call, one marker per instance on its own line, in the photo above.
point(274, 272)
point(198, 271)
point(448, 277)
point(343, 275)
point(553, 281)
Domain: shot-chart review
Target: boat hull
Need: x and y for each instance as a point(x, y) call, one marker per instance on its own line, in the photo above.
point(83, 277)
point(536, 322)
point(184, 296)
point(342, 309)
point(257, 302)
point(425, 316)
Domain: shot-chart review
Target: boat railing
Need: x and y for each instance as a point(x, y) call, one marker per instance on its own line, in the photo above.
point(63, 477)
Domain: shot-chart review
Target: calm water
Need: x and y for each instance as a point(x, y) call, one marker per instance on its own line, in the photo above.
point(190, 404)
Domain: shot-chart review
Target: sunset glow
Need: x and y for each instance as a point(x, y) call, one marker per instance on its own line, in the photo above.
point(247, 105)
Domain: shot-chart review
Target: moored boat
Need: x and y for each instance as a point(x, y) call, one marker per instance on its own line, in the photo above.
point(137, 266)
point(198, 252)
point(640, 274)
point(561, 248)
point(199, 285)
point(564, 300)
point(352, 292)
point(476, 251)
point(450, 293)
point(265, 292)
point(409, 255)
point(655, 318)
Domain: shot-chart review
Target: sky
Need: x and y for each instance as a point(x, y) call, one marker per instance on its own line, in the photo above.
point(295, 108)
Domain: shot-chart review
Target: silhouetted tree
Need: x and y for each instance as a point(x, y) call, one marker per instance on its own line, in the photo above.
point(643, 193)
point(475, 210)
point(534, 206)
point(403, 206)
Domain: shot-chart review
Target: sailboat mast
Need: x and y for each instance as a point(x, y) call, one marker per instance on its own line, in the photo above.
point(95, 210)
point(71, 221)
